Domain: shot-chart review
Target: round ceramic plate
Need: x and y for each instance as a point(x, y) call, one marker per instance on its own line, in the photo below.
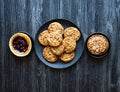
point(59, 64)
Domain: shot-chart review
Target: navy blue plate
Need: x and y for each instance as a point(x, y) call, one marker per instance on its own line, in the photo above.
point(59, 64)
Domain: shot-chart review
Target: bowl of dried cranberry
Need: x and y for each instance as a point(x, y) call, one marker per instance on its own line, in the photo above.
point(20, 44)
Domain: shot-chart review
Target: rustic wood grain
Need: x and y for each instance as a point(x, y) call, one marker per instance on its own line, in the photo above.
point(29, 74)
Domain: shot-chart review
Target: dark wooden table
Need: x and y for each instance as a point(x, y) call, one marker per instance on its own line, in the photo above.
point(29, 74)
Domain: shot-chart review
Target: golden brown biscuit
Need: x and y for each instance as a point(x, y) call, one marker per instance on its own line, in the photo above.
point(58, 50)
point(48, 55)
point(54, 39)
point(42, 38)
point(72, 32)
point(70, 44)
point(97, 44)
point(67, 57)
point(56, 26)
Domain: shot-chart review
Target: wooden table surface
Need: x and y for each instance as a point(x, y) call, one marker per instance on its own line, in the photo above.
point(29, 74)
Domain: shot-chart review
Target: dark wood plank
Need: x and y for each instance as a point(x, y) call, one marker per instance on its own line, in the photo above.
point(29, 74)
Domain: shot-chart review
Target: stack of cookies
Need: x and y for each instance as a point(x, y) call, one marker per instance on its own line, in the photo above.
point(59, 43)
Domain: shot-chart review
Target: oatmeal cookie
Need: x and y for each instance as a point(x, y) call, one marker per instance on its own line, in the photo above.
point(42, 38)
point(97, 44)
point(56, 26)
point(58, 50)
point(54, 39)
point(72, 32)
point(70, 44)
point(67, 57)
point(48, 55)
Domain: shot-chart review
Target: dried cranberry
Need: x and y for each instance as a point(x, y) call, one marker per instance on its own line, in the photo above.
point(20, 44)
